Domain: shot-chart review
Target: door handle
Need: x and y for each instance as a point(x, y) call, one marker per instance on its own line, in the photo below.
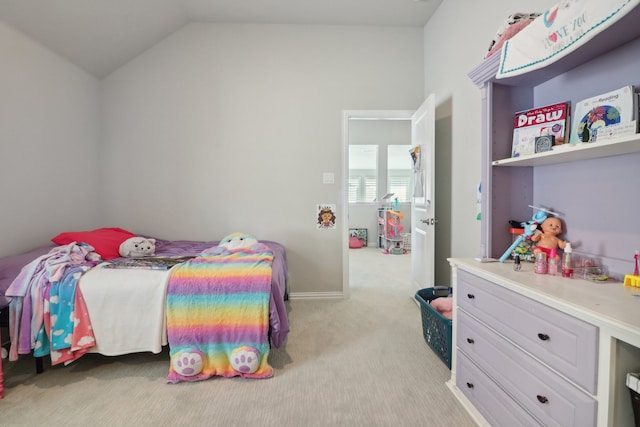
point(429, 221)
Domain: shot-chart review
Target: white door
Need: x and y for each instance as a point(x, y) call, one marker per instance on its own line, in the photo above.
point(423, 219)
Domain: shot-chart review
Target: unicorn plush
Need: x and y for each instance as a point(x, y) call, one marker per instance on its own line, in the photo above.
point(238, 240)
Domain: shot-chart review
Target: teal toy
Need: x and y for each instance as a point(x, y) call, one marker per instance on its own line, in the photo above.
point(529, 228)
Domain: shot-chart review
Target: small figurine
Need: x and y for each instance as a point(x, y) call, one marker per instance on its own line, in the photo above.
point(547, 239)
point(530, 227)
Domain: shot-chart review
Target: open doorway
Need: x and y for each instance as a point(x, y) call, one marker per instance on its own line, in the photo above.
point(443, 183)
point(381, 136)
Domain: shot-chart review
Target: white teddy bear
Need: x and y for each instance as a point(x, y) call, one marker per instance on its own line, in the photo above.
point(238, 240)
point(137, 247)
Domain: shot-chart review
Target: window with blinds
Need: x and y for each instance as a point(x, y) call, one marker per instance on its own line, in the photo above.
point(399, 172)
point(363, 173)
point(400, 186)
point(365, 178)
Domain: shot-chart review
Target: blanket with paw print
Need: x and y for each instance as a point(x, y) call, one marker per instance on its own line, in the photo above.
point(218, 314)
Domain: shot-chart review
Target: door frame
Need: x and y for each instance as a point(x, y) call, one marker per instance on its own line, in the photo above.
point(346, 116)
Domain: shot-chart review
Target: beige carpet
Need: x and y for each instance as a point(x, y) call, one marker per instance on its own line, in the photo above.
point(356, 362)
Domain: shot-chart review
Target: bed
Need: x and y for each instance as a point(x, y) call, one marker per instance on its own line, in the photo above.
point(127, 307)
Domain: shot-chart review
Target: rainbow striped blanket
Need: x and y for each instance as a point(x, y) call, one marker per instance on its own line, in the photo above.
point(218, 314)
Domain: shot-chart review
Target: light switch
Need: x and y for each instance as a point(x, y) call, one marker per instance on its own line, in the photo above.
point(328, 178)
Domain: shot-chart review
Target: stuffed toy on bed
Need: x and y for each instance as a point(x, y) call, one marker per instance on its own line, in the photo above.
point(137, 247)
point(238, 240)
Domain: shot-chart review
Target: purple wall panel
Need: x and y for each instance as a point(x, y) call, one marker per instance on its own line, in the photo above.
point(600, 202)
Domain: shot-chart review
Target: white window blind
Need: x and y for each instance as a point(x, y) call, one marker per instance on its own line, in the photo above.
point(370, 188)
point(400, 186)
point(399, 168)
point(363, 173)
point(354, 188)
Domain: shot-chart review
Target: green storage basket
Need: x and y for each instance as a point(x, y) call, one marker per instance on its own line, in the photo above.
point(436, 328)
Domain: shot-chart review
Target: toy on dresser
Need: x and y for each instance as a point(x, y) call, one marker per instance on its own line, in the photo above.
point(547, 240)
point(633, 279)
point(530, 228)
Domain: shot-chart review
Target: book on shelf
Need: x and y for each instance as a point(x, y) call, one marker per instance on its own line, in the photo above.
point(148, 263)
point(605, 116)
point(549, 120)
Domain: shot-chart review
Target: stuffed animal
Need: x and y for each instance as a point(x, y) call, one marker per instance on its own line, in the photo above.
point(238, 240)
point(137, 247)
point(511, 26)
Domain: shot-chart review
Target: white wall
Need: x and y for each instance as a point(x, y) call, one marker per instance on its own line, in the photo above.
point(223, 128)
point(455, 41)
point(49, 133)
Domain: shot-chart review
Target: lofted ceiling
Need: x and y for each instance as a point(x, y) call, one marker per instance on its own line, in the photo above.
point(99, 36)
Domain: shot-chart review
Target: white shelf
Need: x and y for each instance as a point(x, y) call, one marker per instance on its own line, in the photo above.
point(574, 152)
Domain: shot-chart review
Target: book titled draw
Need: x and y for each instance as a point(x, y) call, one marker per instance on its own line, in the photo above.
point(549, 120)
point(605, 116)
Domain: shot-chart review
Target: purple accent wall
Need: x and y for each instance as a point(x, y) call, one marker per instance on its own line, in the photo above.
point(600, 198)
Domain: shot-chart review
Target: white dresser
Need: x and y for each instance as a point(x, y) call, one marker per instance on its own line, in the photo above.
point(542, 350)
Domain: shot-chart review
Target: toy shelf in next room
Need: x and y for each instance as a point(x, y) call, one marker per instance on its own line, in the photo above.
point(390, 238)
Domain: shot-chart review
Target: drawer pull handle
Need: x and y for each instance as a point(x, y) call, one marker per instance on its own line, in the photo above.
point(470, 340)
point(543, 337)
point(542, 399)
point(470, 385)
point(471, 296)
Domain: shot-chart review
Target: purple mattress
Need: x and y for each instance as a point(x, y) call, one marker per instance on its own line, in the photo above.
point(278, 320)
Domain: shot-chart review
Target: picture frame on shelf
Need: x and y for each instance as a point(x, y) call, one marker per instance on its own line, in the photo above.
point(544, 143)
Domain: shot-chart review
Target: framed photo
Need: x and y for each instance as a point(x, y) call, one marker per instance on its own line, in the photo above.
point(544, 143)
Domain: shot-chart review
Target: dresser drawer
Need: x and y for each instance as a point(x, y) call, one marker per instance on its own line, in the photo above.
point(489, 399)
point(550, 398)
point(561, 341)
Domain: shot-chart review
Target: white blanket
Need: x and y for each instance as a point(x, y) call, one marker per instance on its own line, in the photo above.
point(557, 32)
point(126, 308)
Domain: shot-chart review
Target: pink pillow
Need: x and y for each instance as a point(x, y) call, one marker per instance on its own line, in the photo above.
point(511, 31)
point(106, 241)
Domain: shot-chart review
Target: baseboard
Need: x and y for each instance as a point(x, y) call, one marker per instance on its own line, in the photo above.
point(471, 410)
point(316, 295)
